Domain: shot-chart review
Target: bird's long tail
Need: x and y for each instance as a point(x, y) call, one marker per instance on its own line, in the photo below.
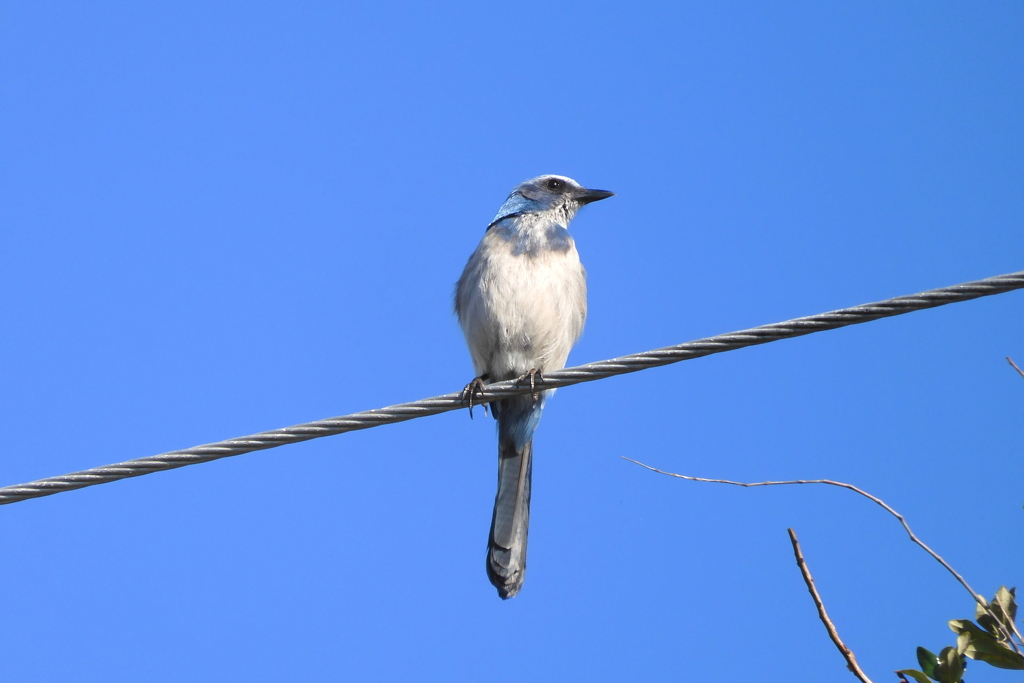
point(510, 524)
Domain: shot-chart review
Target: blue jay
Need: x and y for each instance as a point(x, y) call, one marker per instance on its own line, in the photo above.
point(521, 303)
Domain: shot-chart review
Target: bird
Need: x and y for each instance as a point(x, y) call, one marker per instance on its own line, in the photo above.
point(521, 303)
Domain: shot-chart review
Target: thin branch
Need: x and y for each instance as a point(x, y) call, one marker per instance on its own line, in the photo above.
point(913, 537)
point(851, 660)
point(1010, 361)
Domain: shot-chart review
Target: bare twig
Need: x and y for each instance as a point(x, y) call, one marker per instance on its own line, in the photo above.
point(913, 537)
point(1010, 361)
point(851, 660)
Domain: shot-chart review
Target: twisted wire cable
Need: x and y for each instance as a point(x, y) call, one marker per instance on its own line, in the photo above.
point(575, 375)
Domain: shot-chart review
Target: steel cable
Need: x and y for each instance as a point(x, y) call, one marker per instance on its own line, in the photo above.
point(582, 373)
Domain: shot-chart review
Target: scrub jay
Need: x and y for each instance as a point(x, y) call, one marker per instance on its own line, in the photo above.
point(522, 302)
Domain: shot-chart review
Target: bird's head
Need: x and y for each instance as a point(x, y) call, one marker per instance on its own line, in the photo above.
point(556, 194)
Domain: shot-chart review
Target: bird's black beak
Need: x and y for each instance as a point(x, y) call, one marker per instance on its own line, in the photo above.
point(588, 196)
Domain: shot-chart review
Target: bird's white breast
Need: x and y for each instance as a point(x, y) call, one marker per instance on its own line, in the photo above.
point(521, 311)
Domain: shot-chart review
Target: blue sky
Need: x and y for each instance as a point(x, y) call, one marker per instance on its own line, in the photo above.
point(221, 218)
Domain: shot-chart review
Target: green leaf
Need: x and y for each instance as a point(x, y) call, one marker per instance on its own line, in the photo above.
point(1006, 600)
point(966, 627)
point(915, 674)
point(928, 661)
point(991, 625)
point(985, 619)
point(979, 609)
point(998, 655)
point(984, 647)
point(1003, 609)
point(961, 625)
point(963, 644)
point(1006, 659)
point(950, 668)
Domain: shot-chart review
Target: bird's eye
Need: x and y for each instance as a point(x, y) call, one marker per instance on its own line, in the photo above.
point(555, 184)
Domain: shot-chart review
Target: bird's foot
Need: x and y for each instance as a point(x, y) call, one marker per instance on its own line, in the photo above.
point(534, 375)
point(471, 391)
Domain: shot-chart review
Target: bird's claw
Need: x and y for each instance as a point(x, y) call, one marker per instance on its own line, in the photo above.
point(534, 375)
point(472, 389)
